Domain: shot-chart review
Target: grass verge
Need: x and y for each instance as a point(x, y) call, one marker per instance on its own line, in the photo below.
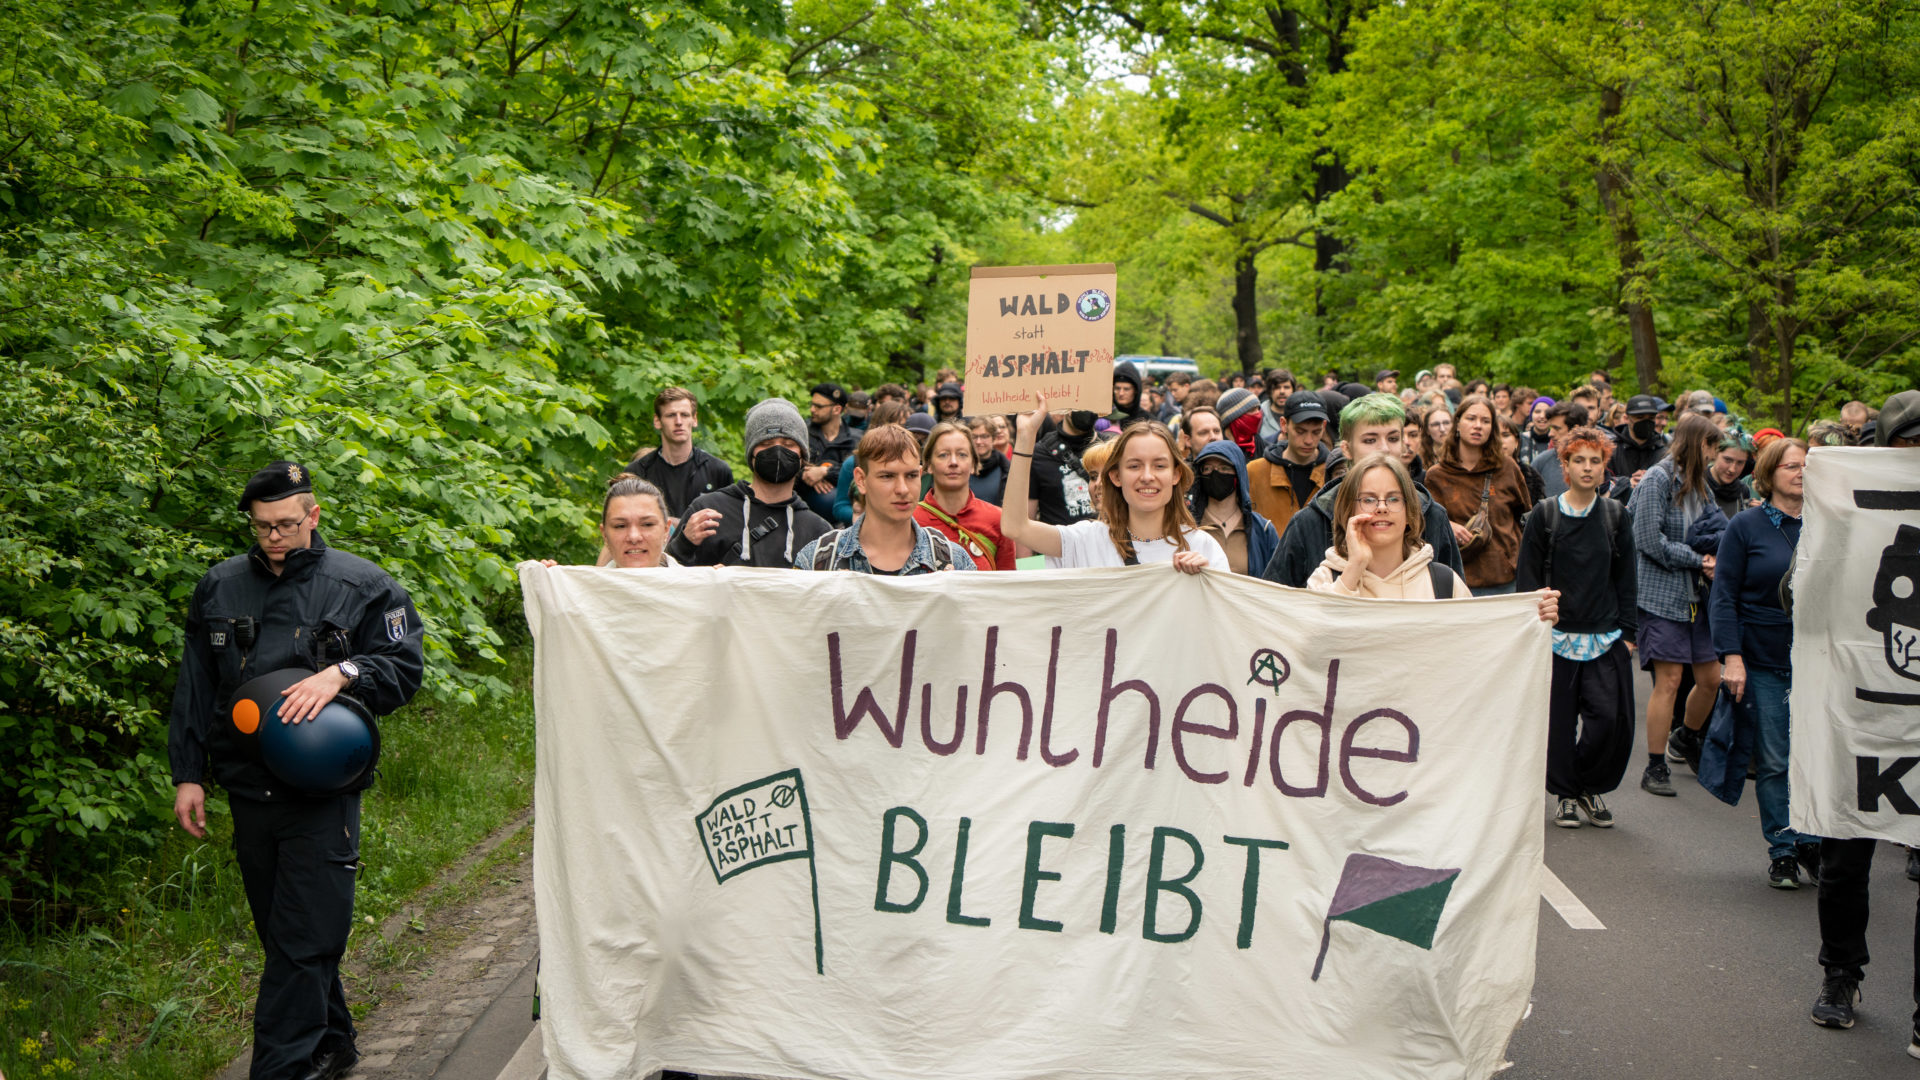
point(165, 990)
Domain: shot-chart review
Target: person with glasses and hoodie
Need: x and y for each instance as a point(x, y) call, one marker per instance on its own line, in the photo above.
point(1379, 550)
point(1373, 424)
point(1222, 505)
point(757, 522)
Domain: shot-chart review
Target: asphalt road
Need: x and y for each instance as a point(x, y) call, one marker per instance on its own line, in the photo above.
point(1703, 971)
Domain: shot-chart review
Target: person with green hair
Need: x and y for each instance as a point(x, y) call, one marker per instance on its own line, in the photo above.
point(1369, 424)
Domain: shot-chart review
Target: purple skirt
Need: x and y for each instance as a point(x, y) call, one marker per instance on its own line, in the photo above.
point(1670, 642)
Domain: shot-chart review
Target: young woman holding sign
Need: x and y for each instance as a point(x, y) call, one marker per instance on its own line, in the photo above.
point(951, 507)
point(1143, 506)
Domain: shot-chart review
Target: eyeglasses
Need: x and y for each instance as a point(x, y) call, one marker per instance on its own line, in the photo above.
point(269, 528)
point(1370, 504)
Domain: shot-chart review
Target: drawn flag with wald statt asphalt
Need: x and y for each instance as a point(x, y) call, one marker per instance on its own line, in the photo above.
point(763, 821)
point(1392, 898)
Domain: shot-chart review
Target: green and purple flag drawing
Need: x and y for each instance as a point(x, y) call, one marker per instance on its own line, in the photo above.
point(1387, 897)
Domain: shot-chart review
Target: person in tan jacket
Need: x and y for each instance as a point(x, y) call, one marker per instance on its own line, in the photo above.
point(1379, 551)
point(1475, 478)
point(1286, 476)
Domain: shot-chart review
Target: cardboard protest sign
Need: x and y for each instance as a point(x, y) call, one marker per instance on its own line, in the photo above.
point(1855, 703)
point(1001, 827)
point(1040, 331)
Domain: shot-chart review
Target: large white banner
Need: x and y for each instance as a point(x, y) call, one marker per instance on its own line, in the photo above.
point(1855, 704)
point(1084, 823)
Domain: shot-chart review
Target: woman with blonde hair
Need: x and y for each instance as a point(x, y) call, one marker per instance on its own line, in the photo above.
point(951, 506)
point(1142, 496)
point(634, 526)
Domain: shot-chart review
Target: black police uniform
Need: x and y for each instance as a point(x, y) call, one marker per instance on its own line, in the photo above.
point(298, 855)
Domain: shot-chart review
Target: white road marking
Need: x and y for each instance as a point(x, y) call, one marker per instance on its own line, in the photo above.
point(529, 1062)
point(1568, 905)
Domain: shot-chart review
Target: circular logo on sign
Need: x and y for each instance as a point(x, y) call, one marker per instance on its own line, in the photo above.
point(1093, 305)
point(782, 795)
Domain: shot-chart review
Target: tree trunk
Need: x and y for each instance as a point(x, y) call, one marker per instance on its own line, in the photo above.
point(1614, 180)
point(1246, 314)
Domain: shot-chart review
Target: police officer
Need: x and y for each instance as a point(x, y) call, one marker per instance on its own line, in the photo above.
point(290, 601)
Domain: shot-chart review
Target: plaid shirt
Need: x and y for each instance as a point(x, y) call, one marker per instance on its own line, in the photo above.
point(1667, 566)
point(848, 554)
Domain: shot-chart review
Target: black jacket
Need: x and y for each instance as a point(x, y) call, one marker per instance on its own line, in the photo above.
point(782, 530)
point(1124, 371)
point(1595, 572)
point(1303, 547)
point(682, 483)
point(990, 483)
point(1629, 458)
point(324, 606)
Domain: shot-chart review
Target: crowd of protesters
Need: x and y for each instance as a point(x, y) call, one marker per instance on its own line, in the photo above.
point(1649, 529)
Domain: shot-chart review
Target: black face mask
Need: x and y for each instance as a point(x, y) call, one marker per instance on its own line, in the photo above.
point(1083, 420)
point(1642, 430)
point(776, 464)
point(1219, 485)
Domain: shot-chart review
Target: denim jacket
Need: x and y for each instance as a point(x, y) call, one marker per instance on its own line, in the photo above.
point(849, 555)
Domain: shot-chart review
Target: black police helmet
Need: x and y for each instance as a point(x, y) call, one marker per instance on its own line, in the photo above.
point(330, 753)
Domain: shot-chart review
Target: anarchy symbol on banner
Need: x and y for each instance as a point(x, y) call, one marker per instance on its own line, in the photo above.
point(1269, 669)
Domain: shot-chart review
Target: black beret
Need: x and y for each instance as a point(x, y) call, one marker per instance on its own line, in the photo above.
point(275, 482)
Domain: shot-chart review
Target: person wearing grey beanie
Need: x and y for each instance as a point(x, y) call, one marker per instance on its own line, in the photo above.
point(760, 521)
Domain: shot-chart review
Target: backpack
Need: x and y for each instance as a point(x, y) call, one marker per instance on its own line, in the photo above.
point(826, 552)
point(1609, 511)
point(1441, 577)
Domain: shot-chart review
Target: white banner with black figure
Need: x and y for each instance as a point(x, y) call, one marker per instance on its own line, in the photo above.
point(1855, 704)
point(1083, 823)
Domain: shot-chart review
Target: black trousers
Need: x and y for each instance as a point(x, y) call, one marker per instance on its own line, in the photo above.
point(1844, 874)
point(1590, 723)
point(298, 861)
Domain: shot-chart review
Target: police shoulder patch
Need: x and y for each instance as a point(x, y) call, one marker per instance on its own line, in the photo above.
point(397, 623)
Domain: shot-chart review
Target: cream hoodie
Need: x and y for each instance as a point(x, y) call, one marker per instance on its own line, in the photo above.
point(1409, 580)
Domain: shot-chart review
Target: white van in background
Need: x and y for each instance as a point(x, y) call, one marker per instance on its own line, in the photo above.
point(1154, 369)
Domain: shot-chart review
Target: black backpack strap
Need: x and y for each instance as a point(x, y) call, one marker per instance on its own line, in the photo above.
point(1442, 579)
point(1131, 559)
point(1550, 520)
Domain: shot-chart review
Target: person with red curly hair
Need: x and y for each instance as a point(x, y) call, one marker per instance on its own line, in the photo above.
point(1581, 543)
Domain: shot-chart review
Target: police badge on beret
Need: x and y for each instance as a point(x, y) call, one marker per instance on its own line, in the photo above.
point(280, 480)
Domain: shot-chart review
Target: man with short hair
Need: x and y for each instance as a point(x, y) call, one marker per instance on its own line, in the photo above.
point(682, 471)
point(1588, 397)
point(1445, 378)
point(859, 404)
point(1177, 383)
point(890, 392)
point(829, 442)
point(1387, 380)
point(1502, 399)
point(1374, 424)
point(1477, 386)
point(885, 540)
point(1640, 443)
point(1287, 475)
point(756, 522)
point(1561, 419)
point(291, 601)
point(1853, 416)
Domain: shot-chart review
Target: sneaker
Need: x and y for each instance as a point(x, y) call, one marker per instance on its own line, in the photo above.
point(1784, 873)
point(1913, 864)
point(1596, 810)
point(1834, 1007)
point(1684, 746)
point(1809, 856)
point(1568, 815)
point(1913, 1046)
point(1657, 780)
point(1676, 755)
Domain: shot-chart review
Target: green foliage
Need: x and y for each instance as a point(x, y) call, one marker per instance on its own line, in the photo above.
point(160, 982)
point(443, 255)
